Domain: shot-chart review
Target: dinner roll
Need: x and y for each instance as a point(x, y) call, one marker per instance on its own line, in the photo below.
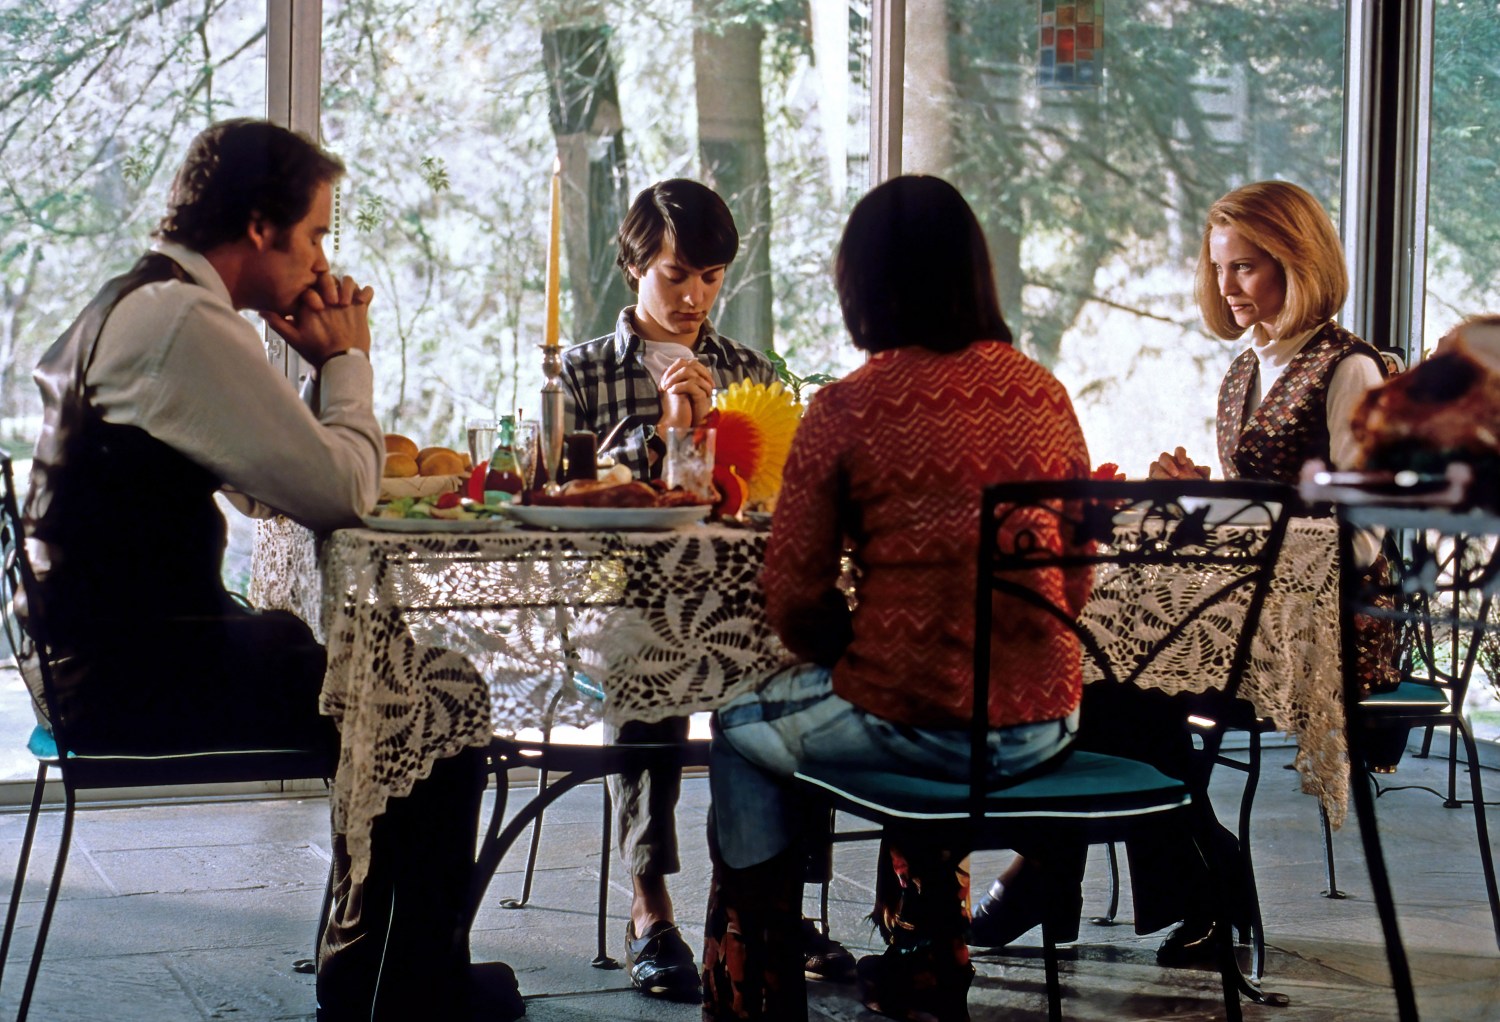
point(395, 443)
point(439, 461)
point(400, 465)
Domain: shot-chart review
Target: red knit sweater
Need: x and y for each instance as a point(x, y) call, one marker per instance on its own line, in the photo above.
point(893, 458)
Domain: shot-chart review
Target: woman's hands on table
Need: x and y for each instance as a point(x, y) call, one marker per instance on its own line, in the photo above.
point(1176, 465)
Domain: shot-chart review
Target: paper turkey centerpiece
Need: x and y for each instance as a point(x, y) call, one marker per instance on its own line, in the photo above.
point(755, 422)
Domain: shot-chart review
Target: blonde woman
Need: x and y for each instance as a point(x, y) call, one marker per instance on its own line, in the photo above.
point(1271, 264)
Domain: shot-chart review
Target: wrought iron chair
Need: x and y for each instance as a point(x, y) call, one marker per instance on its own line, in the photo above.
point(1441, 606)
point(587, 763)
point(94, 769)
point(1229, 535)
point(512, 755)
point(578, 764)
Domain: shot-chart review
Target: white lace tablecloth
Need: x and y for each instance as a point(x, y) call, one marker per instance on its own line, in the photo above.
point(1294, 673)
point(436, 640)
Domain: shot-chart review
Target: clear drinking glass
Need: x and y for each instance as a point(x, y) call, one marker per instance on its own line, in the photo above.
point(690, 460)
point(528, 439)
point(481, 438)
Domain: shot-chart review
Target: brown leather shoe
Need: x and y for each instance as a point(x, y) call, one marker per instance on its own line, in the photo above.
point(823, 957)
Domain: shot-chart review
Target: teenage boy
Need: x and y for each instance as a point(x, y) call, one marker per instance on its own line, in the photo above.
point(660, 368)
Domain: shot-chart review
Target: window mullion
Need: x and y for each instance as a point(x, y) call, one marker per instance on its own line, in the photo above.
point(887, 88)
point(1385, 186)
point(293, 81)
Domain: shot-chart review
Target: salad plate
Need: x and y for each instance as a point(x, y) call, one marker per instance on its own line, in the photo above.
point(620, 519)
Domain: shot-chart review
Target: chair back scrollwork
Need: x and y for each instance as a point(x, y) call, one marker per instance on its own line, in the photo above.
point(1192, 559)
point(20, 607)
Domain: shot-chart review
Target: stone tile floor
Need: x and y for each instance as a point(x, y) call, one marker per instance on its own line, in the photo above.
point(192, 911)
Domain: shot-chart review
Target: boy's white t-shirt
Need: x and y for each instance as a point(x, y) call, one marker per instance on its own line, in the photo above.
point(658, 355)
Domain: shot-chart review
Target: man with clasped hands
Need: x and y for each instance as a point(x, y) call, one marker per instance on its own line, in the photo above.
point(157, 397)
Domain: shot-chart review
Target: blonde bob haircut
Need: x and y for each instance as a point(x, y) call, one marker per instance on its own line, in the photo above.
point(1289, 225)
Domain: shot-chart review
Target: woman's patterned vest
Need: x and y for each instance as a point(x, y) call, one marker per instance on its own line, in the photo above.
point(1290, 426)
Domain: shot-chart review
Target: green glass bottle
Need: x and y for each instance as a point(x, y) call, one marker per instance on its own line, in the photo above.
point(504, 475)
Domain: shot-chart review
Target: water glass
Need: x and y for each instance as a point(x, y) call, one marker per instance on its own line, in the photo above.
point(527, 445)
point(690, 460)
point(482, 438)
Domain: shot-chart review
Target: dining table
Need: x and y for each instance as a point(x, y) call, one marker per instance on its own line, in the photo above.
point(440, 637)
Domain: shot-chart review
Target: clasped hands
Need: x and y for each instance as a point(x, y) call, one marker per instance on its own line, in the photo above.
point(330, 318)
point(687, 394)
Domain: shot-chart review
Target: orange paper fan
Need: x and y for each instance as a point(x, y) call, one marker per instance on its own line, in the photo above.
point(756, 423)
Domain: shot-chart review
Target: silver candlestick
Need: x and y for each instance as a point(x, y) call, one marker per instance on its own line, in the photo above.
point(552, 414)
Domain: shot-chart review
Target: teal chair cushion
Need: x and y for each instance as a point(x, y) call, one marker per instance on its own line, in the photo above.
point(587, 686)
point(1084, 785)
point(1409, 693)
point(41, 744)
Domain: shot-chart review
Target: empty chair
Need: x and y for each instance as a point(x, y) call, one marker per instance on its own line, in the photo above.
point(1441, 605)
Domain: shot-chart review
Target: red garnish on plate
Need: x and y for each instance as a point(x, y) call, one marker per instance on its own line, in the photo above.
point(475, 486)
point(446, 500)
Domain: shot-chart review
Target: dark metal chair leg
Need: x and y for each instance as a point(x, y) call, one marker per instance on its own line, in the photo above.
point(1385, 904)
point(531, 851)
point(536, 828)
point(1247, 799)
point(1049, 960)
point(602, 959)
point(1333, 891)
point(1452, 802)
point(491, 840)
point(1257, 935)
point(1426, 749)
point(1481, 827)
point(63, 844)
point(1108, 918)
point(22, 862)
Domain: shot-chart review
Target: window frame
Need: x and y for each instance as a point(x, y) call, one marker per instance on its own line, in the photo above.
point(1387, 130)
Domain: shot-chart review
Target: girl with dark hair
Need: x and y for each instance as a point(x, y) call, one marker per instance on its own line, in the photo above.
point(890, 462)
point(914, 269)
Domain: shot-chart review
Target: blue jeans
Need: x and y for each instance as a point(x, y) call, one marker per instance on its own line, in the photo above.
point(764, 737)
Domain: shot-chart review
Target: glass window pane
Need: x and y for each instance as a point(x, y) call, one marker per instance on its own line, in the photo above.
point(1091, 138)
point(450, 121)
point(99, 103)
point(1463, 231)
point(1463, 184)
